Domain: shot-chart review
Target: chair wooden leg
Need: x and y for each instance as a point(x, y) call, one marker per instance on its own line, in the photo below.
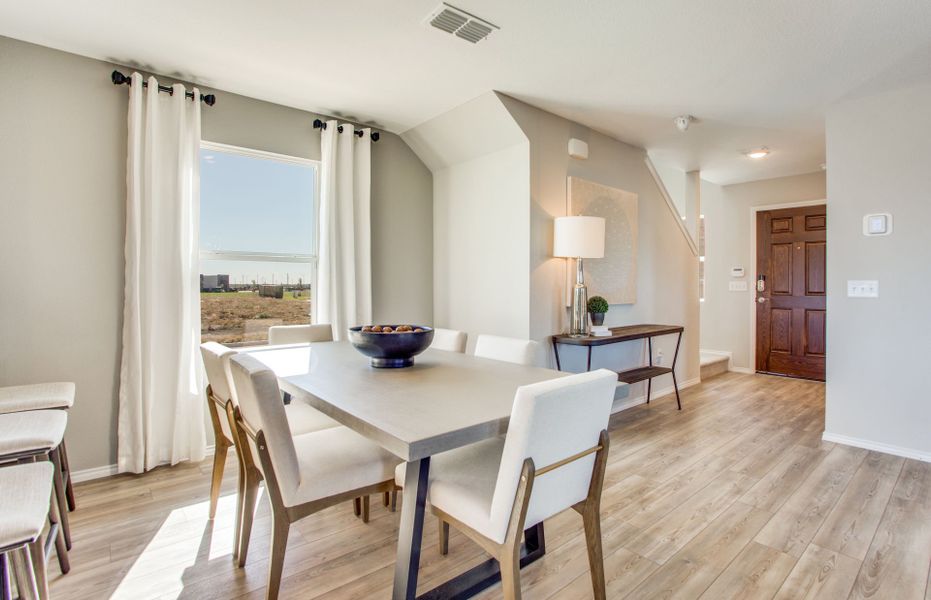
point(357, 506)
point(510, 574)
point(280, 527)
point(69, 489)
point(219, 462)
point(25, 575)
point(61, 548)
point(37, 550)
point(443, 528)
point(237, 527)
point(591, 519)
point(6, 583)
point(250, 494)
point(55, 455)
point(365, 509)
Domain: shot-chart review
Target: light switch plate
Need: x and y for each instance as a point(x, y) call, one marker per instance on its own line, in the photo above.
point(737, 286)
point(862, 288)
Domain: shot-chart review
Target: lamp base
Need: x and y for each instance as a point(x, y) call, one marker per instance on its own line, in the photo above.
point(578, 322)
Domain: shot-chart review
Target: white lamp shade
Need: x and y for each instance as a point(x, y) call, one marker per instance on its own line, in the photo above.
point(579, 237)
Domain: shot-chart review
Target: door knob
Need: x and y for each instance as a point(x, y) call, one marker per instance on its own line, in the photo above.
point(761, 299)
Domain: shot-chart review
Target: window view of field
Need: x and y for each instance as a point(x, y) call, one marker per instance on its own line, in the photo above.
point(244, 316)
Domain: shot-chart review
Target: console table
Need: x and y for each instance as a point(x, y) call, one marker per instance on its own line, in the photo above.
point(626, 334)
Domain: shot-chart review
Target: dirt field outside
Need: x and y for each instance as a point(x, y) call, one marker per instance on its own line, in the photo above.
point(235, 317)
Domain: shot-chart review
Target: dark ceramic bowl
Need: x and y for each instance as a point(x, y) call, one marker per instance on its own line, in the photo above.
point(391, 350)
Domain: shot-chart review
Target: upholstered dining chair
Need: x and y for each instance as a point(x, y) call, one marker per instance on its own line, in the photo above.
point(301, 417)
point(36, 435)
point(449, 340)
point(513, 350)
point(300, 334)
point(553, 458)
point(24, 504)
point(303, 473)
point(58, 395)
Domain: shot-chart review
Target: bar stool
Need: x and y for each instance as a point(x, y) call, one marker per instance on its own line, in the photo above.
point(57, 395)
point(24, 504)
point(33, 435)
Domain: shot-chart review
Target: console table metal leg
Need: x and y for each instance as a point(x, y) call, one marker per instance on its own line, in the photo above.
point(675, 384)
point(589, 359)
point(556, 352)
point(410, 533)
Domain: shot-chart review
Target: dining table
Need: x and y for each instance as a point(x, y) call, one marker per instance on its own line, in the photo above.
point(446, 400)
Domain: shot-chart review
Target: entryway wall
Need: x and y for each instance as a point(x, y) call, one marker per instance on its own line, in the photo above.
point(725, 325)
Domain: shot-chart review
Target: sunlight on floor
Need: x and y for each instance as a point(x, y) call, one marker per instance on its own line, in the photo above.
point(186, 539)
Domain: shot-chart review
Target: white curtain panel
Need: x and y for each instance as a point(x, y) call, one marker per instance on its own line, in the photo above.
point(161, 418)
point(344, 269)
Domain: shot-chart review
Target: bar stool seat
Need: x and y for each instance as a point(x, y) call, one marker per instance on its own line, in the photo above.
point(32, 432)
point(24, 503)
point(37, 396)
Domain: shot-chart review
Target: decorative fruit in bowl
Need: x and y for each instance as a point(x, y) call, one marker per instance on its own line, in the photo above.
point(391, 346)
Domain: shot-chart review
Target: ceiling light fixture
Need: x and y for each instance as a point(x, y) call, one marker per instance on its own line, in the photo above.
point(759, 153)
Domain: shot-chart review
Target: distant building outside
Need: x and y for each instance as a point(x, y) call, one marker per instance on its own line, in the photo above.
point(214, 283)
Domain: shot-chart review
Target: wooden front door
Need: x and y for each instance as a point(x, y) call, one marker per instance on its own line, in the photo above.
point(790, 310)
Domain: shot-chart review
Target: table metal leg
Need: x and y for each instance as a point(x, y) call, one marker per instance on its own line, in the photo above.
point(556, 352)
point(410, 533)
point(675, 356)
point(589, 367)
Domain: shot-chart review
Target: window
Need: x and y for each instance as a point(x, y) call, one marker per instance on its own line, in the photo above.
point(257, 246)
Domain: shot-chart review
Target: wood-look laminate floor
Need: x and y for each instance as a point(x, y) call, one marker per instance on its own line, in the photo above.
point(736, 496)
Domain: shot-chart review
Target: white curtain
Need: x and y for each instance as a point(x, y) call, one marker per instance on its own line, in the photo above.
point(161, 418)
point(343, 294)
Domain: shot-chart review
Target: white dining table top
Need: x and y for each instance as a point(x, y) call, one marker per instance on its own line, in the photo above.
point(446, 400)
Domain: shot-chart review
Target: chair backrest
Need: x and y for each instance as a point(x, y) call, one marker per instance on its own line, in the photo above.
point(513, 350)
point(217, 365)
point(300, 334)
point(552, 421)
point(449, 339)
point(262, 410)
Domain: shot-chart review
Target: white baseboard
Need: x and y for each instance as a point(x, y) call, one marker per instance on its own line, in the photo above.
point(109, 470)
point(877, 446)
point(745, 370)
point(655, 394)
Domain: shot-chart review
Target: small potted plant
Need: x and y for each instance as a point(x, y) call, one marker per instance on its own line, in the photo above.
point(597, 307)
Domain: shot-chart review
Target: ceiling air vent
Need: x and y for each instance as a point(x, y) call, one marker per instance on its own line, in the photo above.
point(460, 23)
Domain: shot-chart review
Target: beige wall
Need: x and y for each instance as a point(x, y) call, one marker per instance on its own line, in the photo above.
point(725, 315)
point(878, 381)
point(667, 272)
point(481, 191)
point(62, 176)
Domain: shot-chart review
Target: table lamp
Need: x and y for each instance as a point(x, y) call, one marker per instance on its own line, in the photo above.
point(578, 238)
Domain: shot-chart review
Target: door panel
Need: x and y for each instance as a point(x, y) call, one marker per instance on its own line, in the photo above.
point(791, 316)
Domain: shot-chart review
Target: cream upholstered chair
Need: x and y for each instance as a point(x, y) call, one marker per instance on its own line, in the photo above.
point(300, 334)
point(449, 339)
point(552, 458)
point(24, 505)
point(37, 435)
point(57, 395)
point(304, 473)
point(302, 418)
point(513, 350)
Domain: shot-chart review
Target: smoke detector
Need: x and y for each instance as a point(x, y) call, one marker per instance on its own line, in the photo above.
point(458, 22)
point(682, 122)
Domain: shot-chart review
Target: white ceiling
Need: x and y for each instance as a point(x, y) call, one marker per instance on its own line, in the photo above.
point(753, 72)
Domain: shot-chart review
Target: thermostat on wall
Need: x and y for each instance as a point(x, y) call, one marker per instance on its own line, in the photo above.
point(737, 271)
point(878, 224)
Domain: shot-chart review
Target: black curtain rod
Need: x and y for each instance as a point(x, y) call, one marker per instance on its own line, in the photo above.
point(318, 124)
point(119, 79)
